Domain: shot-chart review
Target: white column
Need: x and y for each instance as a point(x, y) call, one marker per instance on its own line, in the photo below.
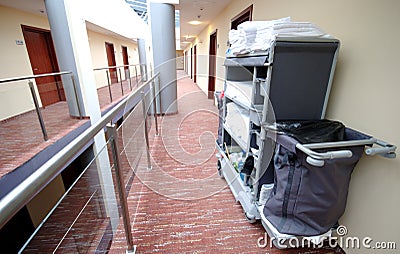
point(142, 56)
point(71, 43)
point(162, 19)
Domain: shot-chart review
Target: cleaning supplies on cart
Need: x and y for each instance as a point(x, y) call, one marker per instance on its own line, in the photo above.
point(234, 160)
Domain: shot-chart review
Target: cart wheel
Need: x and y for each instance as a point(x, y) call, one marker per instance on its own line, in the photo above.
point(219, 167)
point(251, 220)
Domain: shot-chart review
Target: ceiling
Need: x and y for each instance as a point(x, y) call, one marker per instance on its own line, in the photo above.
point(32, 6)
point(201, 10)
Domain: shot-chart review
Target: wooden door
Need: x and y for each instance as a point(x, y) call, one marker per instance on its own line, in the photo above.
point(125, 57)
point(43, 60)
point(212, 60)
point(195, 63)
point(111, 62)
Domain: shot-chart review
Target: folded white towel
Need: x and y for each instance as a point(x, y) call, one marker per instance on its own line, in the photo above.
point(259, 35)
point(297, 29)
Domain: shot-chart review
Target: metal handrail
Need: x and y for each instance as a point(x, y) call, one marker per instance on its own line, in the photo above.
point(7, 80)
point(35, 97)
point(117, 66)
point(127, 76)
point(26, 190)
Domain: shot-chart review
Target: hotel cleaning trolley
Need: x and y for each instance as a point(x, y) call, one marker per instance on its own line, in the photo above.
point(284, 163)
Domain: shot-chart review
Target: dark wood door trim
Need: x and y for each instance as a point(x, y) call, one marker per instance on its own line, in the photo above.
point(245, 15)
point(195, 64)
point(191, 62)
point(212, 64)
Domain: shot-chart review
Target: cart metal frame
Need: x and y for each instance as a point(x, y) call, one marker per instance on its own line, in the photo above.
point(248, 197)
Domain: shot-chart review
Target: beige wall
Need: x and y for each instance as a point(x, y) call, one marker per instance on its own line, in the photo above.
point(99, 56)
point(179, 60)
point(15, 97)
point(364, 95)
point(43, 202)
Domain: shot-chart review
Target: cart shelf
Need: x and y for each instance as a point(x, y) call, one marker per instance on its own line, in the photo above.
point(242, 143)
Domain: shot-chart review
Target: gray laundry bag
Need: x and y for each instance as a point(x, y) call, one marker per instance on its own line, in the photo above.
point(309, 200)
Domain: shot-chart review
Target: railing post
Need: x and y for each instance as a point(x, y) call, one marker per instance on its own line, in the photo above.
point(145, 73)
point(76, 96)
point(111, 130)
point(38, 112)
point(137, 81)
point(153, 85)
point(120, 81)
point(159, 93)
point(109, 84)
point(129, 77)
point(146, 133)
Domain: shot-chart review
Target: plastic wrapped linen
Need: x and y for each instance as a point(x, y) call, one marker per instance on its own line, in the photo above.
point(252, 36)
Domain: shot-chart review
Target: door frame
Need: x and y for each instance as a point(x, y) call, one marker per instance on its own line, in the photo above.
point(212, 64)
point(195, 63)
point(191, 63)
point(245, 15)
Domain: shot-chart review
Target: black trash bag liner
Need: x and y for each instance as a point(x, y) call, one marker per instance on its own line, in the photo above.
point(315, 131)
point(248, 165)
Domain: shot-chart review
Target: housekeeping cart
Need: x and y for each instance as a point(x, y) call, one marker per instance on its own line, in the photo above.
point(262, 160)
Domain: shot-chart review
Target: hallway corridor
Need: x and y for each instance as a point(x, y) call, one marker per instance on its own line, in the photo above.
point(181, 205)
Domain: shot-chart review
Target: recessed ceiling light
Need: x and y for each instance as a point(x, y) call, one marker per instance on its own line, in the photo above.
point(195, 22)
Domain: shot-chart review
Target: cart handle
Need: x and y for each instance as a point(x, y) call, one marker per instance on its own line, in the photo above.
point(386, 150)
point(317, 159)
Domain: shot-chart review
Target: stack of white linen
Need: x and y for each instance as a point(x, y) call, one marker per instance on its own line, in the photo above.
point(237, 41)
point(297, 29)
point(252, 36)
point(259, 34)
